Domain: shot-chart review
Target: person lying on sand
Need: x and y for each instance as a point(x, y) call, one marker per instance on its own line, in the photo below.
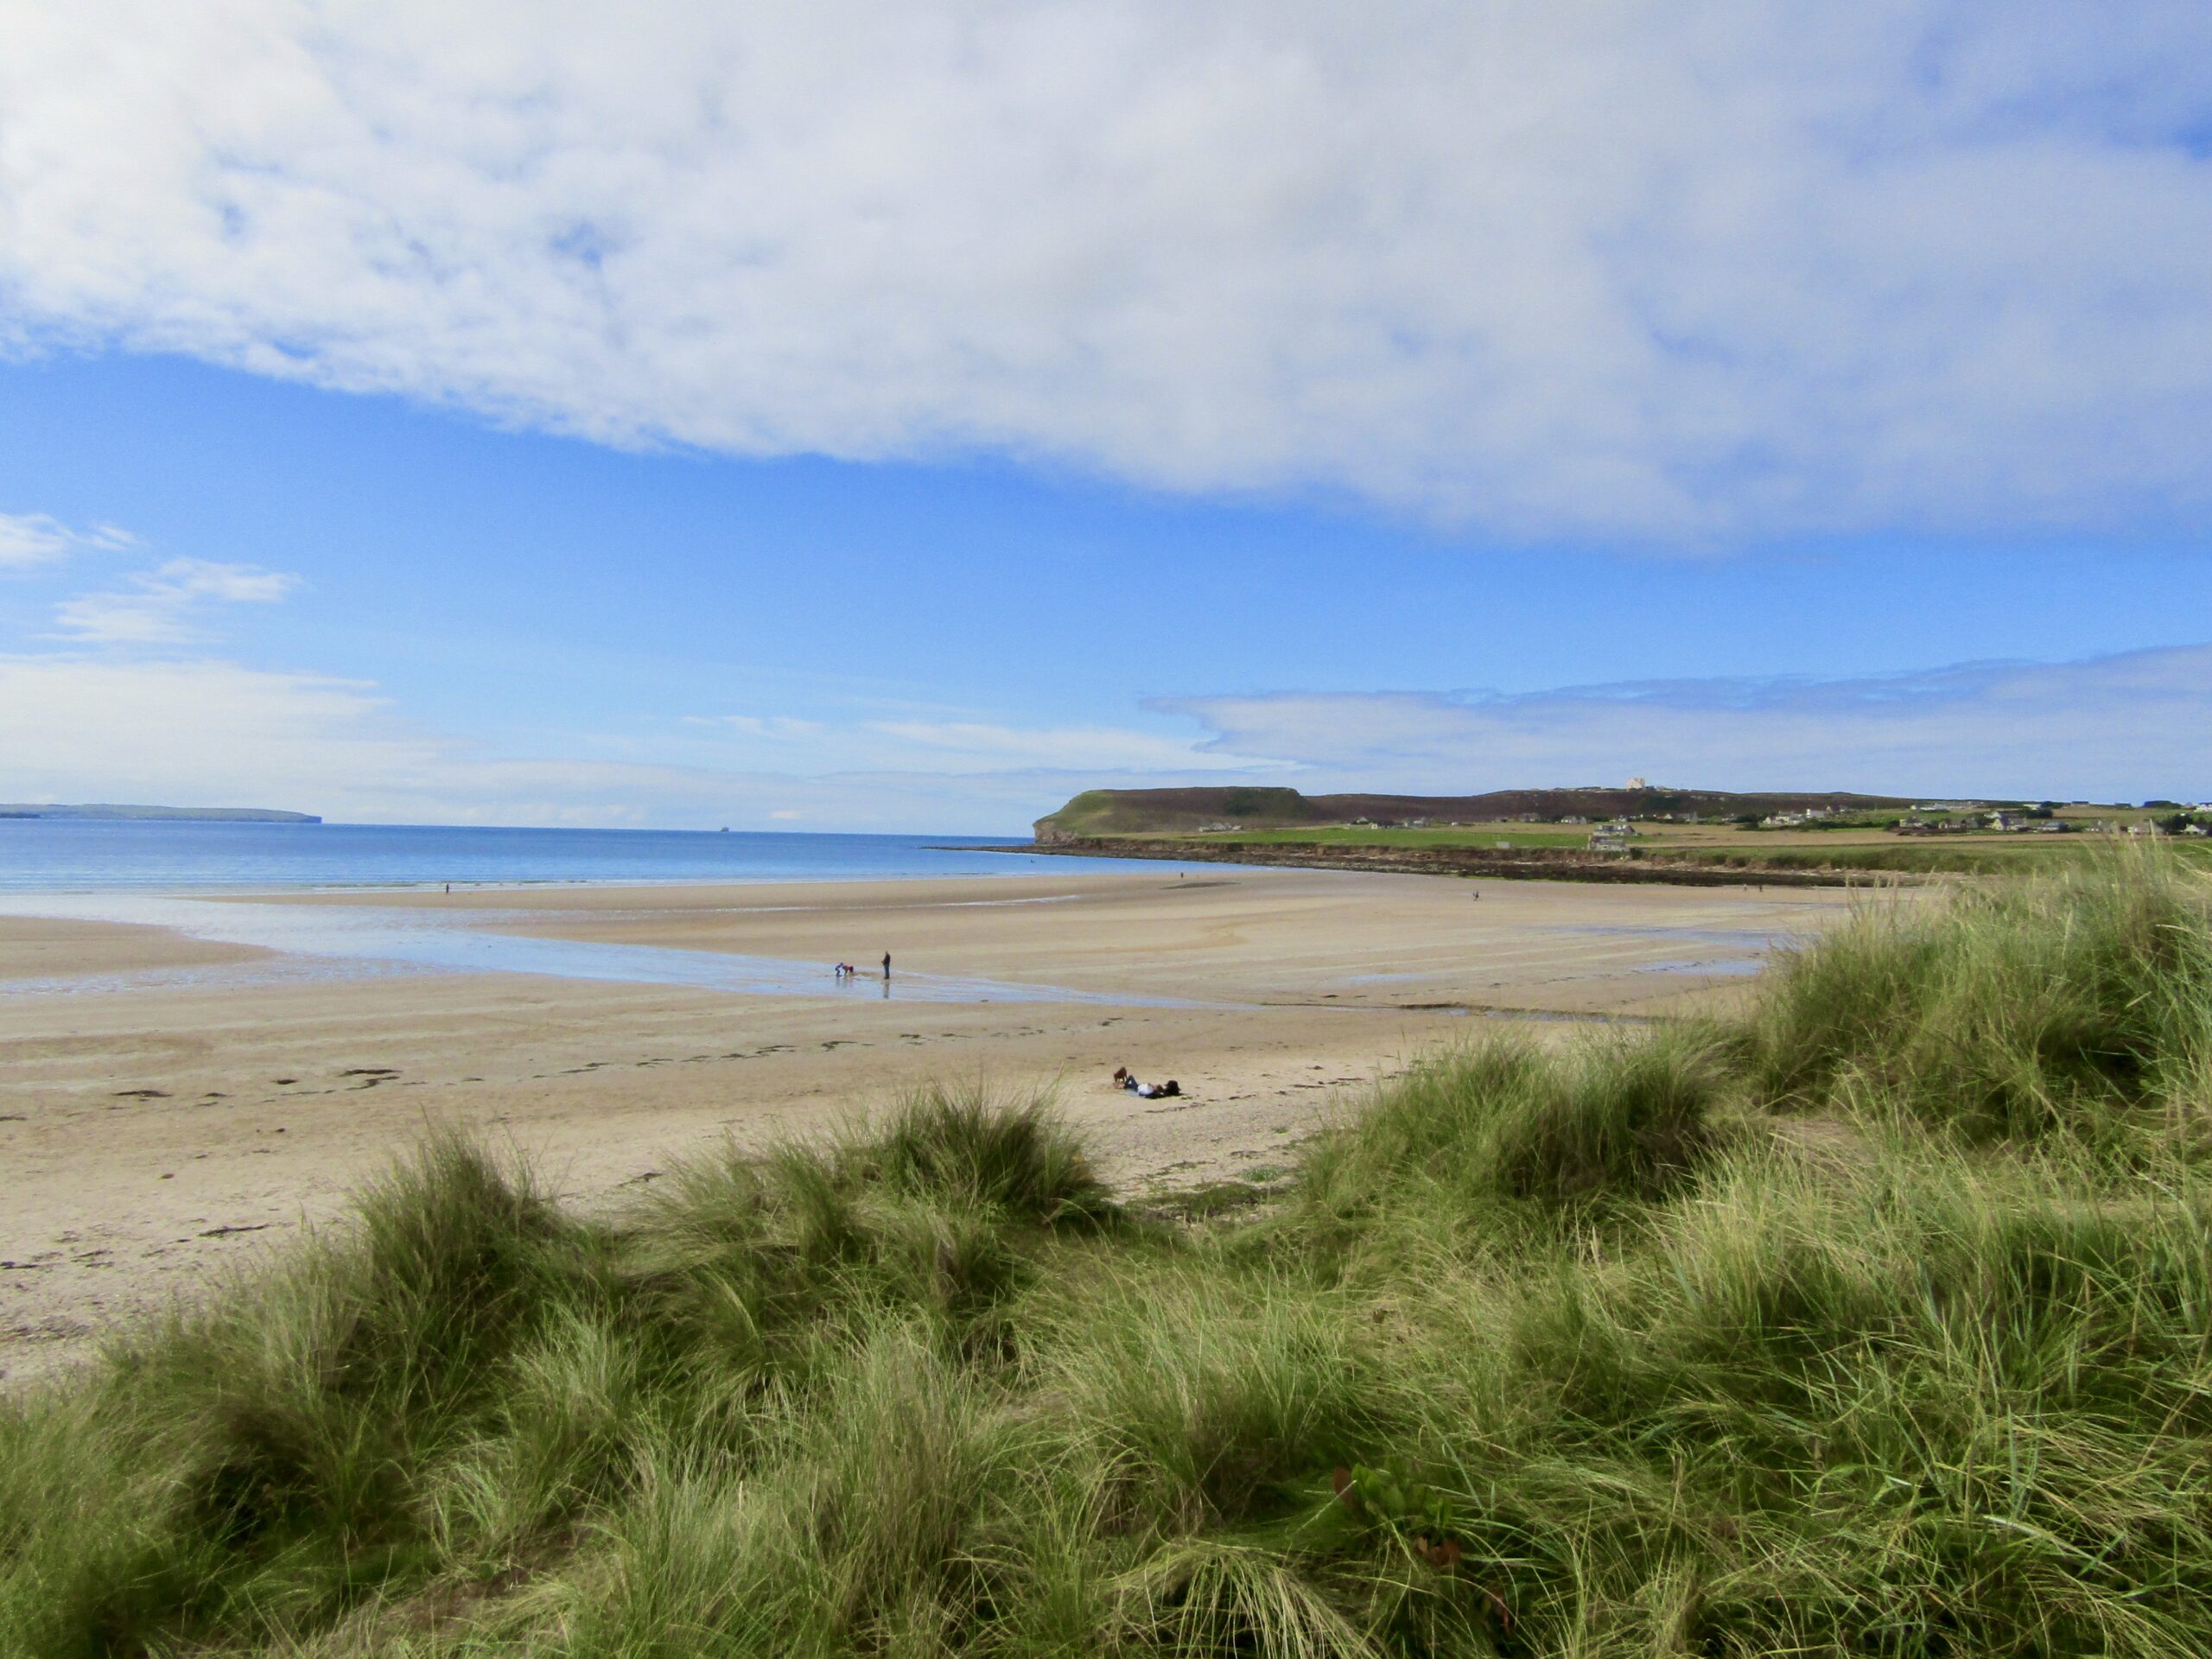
point(1125, 1078)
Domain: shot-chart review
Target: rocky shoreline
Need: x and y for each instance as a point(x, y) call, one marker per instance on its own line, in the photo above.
point(1520, 864)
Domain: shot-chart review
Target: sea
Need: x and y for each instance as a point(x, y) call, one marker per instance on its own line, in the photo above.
point(95, 855)
point(178, 874)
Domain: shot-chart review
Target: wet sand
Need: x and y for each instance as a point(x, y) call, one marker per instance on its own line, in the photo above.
point(172, 1106)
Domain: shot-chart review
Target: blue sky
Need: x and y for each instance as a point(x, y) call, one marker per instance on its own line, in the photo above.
point(936, 410)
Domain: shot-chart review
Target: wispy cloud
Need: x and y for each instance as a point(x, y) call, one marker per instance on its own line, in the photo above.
point(1621, 268)
point(108, 726)
point(956, 747)
point(160, 607)
point(212, 732)
point(35, 538)
point(981, 746)
point(195, 733)
point(777, 727)
point(2122, 726)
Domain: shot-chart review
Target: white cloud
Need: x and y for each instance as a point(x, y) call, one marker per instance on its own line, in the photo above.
point(1622, 267)
point(157, 607)
point(2121, 727)
point(35, 538)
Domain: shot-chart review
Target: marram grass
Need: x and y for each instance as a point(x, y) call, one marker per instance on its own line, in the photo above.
point(1877, 1320)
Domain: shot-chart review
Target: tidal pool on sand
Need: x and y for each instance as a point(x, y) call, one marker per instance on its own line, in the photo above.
point(335, 942)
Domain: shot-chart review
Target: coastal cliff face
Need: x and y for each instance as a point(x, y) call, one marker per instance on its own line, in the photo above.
point(1175, 812)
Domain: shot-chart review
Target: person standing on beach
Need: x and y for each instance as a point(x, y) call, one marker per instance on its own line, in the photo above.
point(886, 966)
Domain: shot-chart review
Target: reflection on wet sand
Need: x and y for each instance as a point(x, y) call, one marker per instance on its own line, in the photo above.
point(318, 943)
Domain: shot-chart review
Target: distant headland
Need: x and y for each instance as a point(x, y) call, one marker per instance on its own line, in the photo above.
point(1639, 832)
point(164, 814)
point(1184, 811)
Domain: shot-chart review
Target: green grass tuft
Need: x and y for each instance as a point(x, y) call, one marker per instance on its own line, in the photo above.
point(963, 1148)
point(2078, 1006)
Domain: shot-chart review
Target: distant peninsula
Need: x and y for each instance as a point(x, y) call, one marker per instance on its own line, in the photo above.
point(156, 814)
point(1199, 810)
point(1639, 832)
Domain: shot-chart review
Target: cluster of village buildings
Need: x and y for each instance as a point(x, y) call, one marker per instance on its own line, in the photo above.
point(2183, 821)
point(1956, 818)
point(1928, 818)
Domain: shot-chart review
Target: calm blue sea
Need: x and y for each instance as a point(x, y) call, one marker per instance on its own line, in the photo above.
point(85, 855)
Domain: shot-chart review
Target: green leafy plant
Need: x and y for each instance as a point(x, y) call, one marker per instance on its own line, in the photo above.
point(1397, 1500)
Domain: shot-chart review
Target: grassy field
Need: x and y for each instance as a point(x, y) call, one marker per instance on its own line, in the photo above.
point(1339, 834)
point(1741, 849)
point(1952, 855)
point(1875, 1319)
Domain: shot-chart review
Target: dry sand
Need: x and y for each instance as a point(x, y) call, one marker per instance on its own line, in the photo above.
point(158, 1131)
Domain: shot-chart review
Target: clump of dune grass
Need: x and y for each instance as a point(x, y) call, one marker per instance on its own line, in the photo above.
point(1564, 1351)
point(2078, 1006)
point(964, 1148)
point(1503, 1123)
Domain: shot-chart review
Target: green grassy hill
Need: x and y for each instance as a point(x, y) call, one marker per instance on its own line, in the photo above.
point(1180, 812)
point(1872, 1321)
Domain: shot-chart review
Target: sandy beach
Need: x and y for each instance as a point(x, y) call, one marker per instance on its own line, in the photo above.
point(175, 1099)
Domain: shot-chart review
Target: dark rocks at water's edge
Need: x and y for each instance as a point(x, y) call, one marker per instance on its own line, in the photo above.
point(114, 813)
point(1524, 864)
